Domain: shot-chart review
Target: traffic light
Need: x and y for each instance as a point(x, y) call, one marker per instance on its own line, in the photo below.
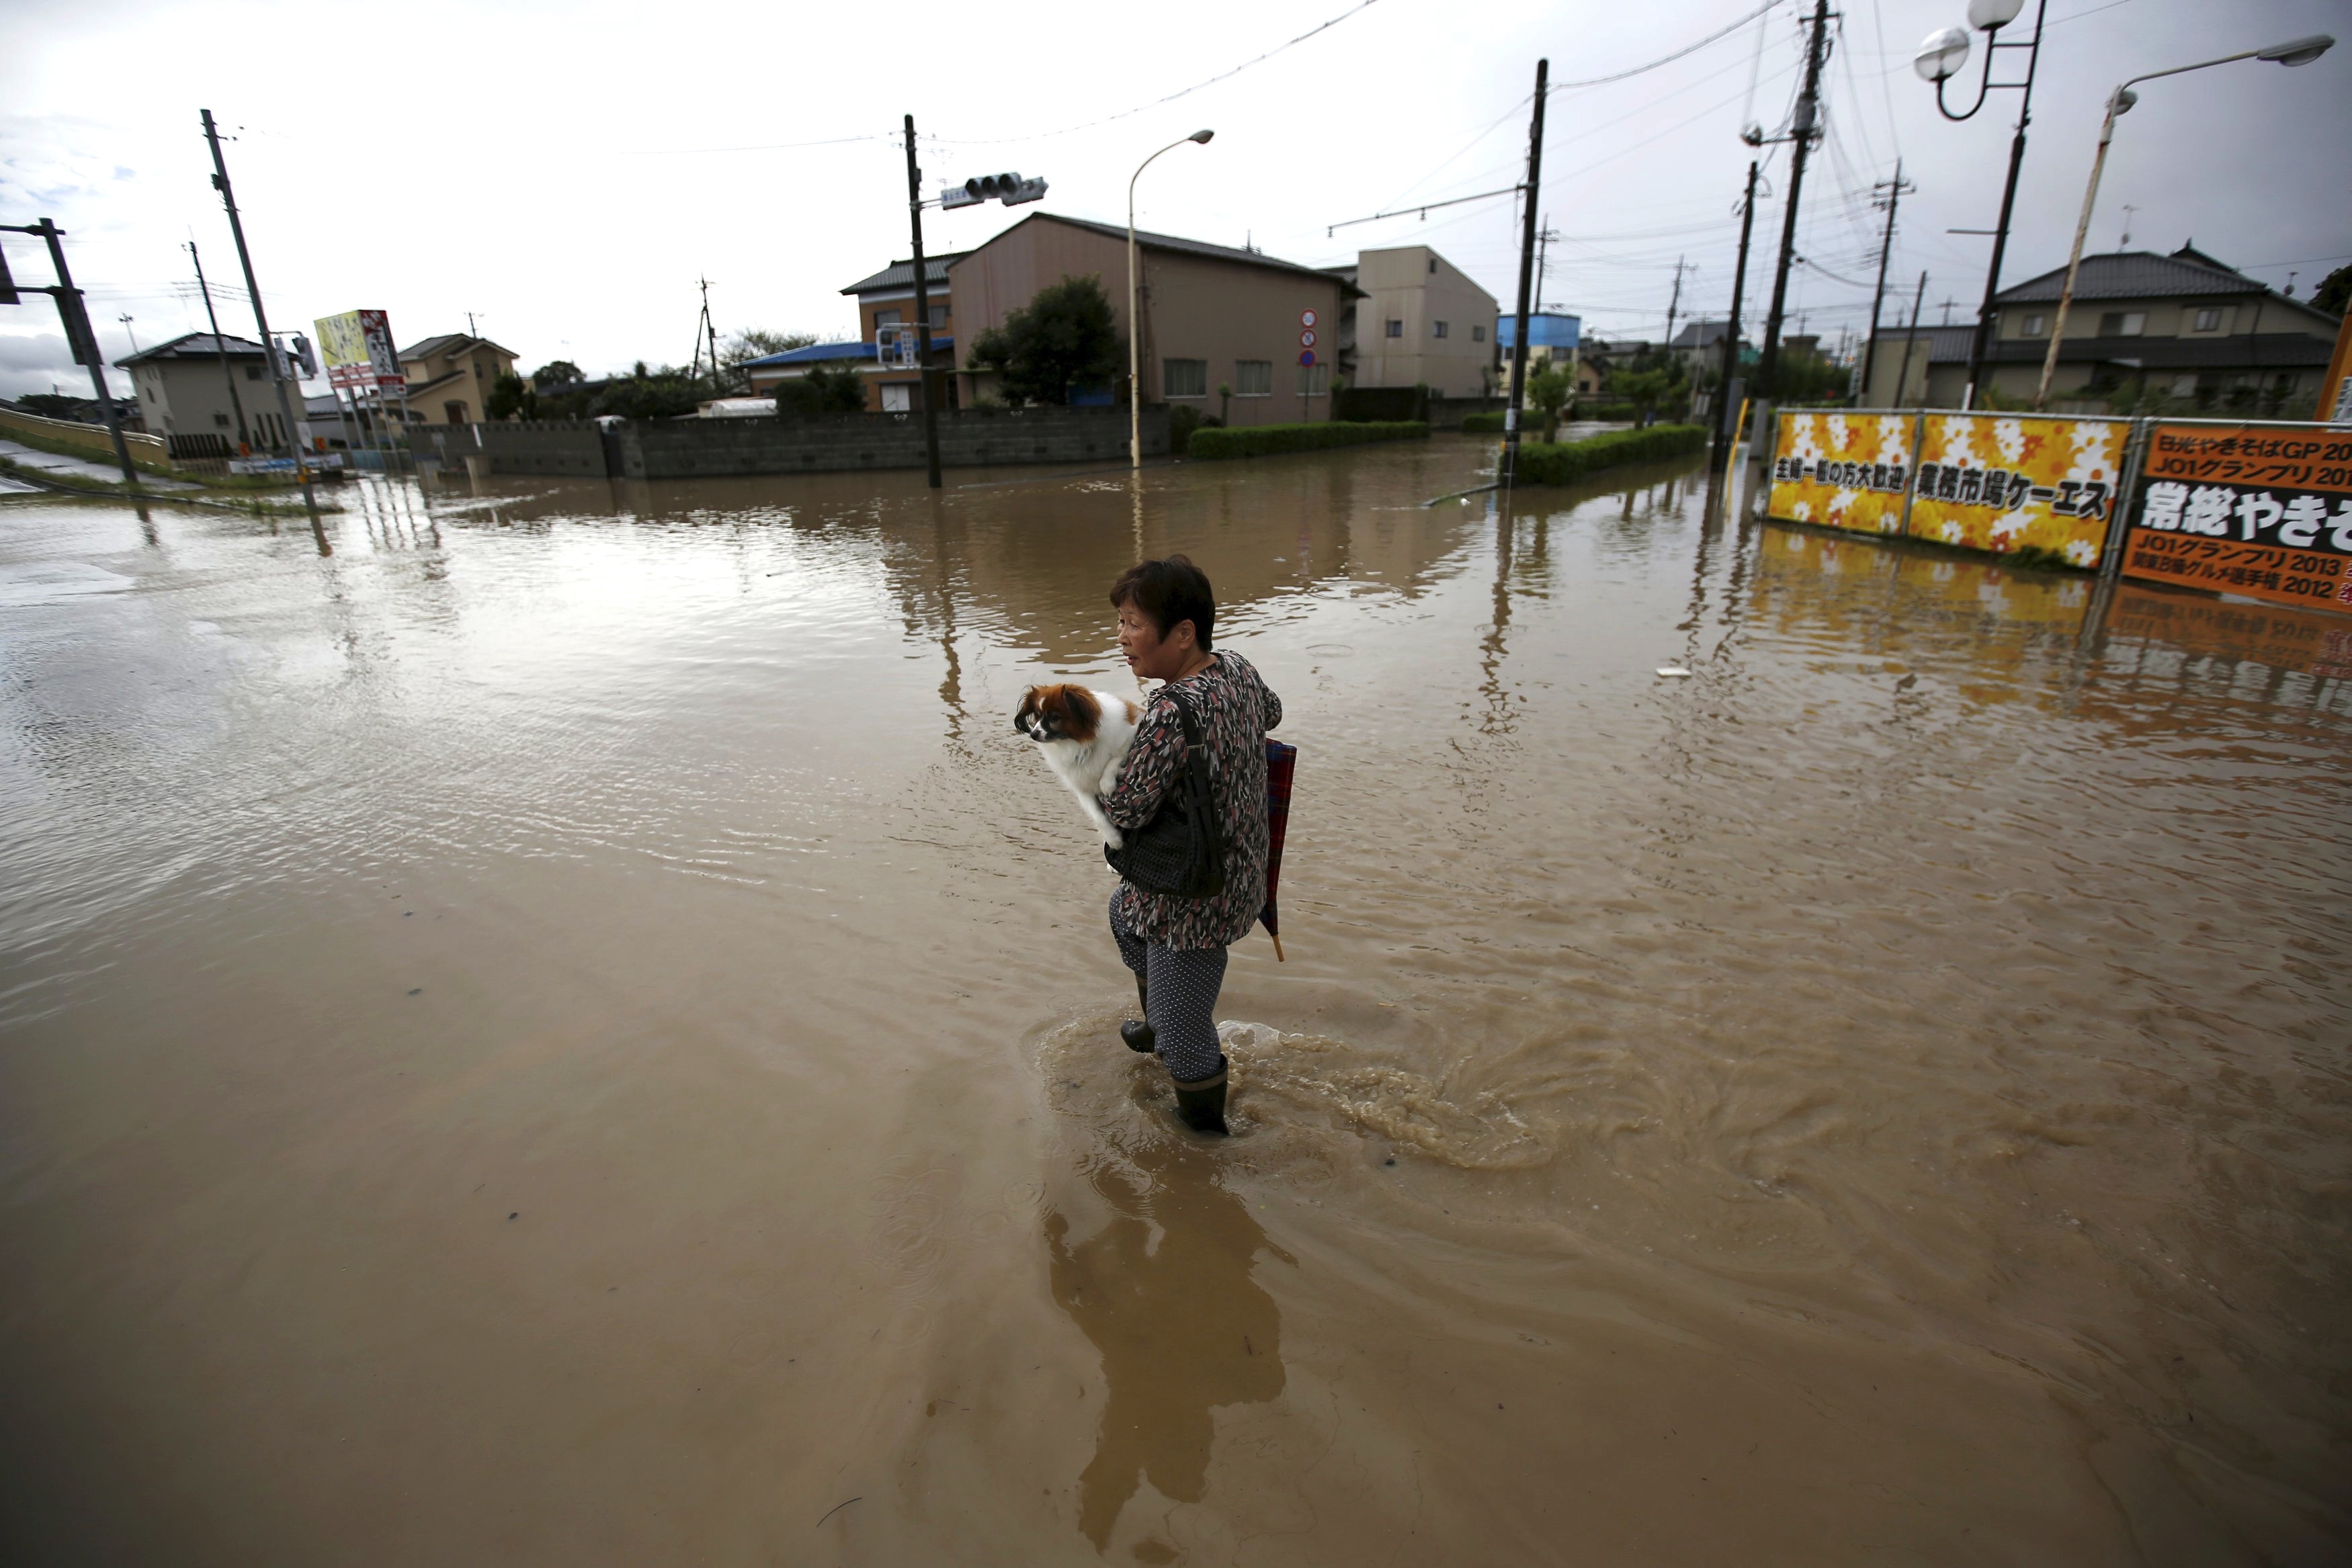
point(1009, 189)
point(305, 358)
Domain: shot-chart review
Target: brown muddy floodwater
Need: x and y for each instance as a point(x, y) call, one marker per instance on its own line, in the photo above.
point(573, 1031)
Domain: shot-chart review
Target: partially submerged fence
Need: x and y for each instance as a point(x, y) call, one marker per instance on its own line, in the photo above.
point(2259, 508)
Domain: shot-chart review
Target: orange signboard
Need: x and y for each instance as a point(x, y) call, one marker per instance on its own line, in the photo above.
point(1843, 470)
point(2265, 511)
point(2004, 482)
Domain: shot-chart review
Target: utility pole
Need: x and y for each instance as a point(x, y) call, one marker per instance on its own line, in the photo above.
point(80, 337)
point(260, 317)
point(923, 316)
point(1805, 127)
point(1544, 237)
point(1724, 431)
point(126, 318)
point(1510, 466)
point(1674, 306)
point(228, 371)
point(1894, 189)
point(1910, 341)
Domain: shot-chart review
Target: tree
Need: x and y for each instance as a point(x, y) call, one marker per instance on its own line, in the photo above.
point(1547, 392)
point(758, 343)
point(648, 394)
point(510, 399)
point(2333, 293)
point(557, 373)
point(825, 389)
point(1063, 340)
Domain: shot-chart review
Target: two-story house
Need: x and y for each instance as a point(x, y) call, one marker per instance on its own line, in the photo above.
point(450, 378)
point(2144, 330)
point(207, 396)
point(1419, 321)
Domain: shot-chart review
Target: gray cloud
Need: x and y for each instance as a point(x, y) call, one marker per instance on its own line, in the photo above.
point(31, 361)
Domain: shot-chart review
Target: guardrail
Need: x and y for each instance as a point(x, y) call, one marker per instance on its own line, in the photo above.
point(90, 437)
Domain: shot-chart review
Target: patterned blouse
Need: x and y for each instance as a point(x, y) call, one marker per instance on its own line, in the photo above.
point(1235, 710)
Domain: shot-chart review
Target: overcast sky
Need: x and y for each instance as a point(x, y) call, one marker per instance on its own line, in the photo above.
point(567, 171)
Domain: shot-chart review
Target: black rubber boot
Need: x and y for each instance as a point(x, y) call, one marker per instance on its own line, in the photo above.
point(1201, 1104)
point(1137, 1032)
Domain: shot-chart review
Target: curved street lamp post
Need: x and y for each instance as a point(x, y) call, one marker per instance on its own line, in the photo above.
point(1939, 59)
point(1134, 321)
point(2294, 52)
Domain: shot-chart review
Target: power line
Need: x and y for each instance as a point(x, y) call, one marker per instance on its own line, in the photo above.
point(1719, 33)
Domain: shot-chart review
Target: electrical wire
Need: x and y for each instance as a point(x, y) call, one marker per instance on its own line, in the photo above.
point(1719, 34)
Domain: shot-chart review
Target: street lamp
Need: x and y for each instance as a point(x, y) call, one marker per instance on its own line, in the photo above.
point(1940, 58)
point(2294, 52)
point(1134, 321)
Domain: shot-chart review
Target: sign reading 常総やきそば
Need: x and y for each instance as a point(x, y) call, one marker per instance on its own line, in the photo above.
point(2007, 483)
point(1843, 470)
point(2262, 511)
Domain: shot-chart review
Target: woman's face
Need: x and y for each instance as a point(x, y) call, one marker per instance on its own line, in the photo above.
point(1151, 656)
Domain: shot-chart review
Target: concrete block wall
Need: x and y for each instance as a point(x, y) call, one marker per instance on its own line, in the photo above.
point(690, 448)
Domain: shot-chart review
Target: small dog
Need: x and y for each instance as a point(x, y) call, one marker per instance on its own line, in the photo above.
point(1084, 736)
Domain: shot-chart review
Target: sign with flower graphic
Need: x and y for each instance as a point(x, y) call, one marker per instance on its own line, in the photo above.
point(1843, 470)
point(2005, 483)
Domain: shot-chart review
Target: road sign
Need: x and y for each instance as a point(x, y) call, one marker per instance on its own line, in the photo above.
point(1307, 357)
point(1306, 317)
point(1305, 339)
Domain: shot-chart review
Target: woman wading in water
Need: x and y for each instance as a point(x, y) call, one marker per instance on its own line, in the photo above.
point(1176, 945)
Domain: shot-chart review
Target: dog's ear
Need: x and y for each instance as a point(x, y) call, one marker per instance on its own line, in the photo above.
point(1083, 711)
point(1021, 714)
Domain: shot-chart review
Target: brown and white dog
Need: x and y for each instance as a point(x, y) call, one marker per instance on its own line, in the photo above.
point(1084, 736)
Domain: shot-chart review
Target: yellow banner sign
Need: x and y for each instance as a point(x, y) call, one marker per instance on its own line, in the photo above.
point(1843, 470)
point(2005, 483)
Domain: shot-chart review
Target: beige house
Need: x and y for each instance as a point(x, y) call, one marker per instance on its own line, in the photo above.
point(2182, 328)
point(207, 396)
point(450, 378)
point(1421, 322)
point(1213, 315)
point(886, 310)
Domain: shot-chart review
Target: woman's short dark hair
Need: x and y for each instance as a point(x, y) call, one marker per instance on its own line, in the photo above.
point(1167, 591)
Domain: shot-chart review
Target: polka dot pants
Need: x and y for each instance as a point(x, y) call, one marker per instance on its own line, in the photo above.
point(1180, 999)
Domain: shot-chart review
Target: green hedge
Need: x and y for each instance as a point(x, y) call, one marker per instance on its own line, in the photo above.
point(1492, 423)
point(1262, 440)
point(1557, 462)
point(1483, 424)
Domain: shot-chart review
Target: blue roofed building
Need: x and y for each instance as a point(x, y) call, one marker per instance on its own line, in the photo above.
point(1551, 338)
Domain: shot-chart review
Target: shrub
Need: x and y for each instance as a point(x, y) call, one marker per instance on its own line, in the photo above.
point(1549, 462)
point(1183, 421)
point(1262, 440)
point(1484, 424)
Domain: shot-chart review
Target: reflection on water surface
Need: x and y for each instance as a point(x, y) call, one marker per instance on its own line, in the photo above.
point(570, 1030)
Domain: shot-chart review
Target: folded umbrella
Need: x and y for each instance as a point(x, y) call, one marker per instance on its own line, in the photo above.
point(1280, 760)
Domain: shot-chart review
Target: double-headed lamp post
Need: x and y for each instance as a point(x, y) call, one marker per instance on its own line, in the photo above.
point(2294, 52)
point(1134, 321)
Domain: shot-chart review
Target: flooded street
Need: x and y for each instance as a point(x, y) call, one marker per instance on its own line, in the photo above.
point(572, 1030)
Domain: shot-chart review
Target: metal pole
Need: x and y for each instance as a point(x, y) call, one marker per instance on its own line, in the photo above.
point(85, 341)
point(1910, 339)
point(2074, 258)
point(1807, 117)
point(228, 371)
point(1510, 466)
point(260, 317)
point(922, 314)
point(1885, 245)
point(1726, 431)
point(1982, 344)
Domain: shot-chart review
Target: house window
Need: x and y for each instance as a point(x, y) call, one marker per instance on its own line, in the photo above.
point(1184, 378)
point(1396, 329)
point(1432, 267)
point(1314, 380)
point(2036, 326)
point(1253, 378)
point(253, 373)
point(2123, 323)
point(939, 317)
point(1439, 326)
point(1477, 334)
point(2209, 320)
point(886, 318)
point(898, 398)
point(221, 420)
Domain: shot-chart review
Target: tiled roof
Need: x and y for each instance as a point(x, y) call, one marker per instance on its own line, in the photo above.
point(901, 274)
point(444, 344)
point(196, 346)
point(1700, 334)
point(2134, 275)
point(1946, 345)
point(2266, 350)
point(820, 353)
point(1182, 247)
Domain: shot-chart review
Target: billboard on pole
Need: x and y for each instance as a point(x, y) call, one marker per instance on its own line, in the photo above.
point(357, 351)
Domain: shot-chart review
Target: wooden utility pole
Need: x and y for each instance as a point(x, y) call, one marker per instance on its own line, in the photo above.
point(1527, 277)
point(923, 316)
point(1724, 431)
point(1805, 127)
point(1675, 305)
point(1894, 189)
point(1910, 341)
point(228, 371)
point(261, 319)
